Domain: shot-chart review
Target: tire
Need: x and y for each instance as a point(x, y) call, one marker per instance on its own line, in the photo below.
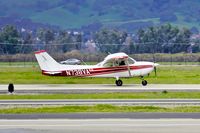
point(10, 88)
point(119, 82)
point(144, 82)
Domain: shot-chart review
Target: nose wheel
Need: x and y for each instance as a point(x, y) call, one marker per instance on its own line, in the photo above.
point(144, 82)
point(119, 82)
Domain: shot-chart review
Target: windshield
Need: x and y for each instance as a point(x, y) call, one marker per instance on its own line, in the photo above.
point(120, 62)
point(131, 60)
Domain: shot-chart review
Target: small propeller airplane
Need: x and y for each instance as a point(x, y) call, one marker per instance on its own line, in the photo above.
point(116, 65)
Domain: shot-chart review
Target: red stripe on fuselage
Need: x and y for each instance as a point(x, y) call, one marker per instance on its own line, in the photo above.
point(95, 71)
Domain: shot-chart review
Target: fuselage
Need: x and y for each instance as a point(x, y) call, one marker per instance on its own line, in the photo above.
point(114, 65)
point(136, 69)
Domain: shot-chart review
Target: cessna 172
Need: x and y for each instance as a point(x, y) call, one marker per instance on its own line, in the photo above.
point(116, 65)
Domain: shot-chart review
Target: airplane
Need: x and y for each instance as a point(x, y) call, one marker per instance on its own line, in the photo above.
point(117, 65)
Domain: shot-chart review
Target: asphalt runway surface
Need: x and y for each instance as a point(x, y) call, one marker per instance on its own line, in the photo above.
point(101, 126)
point(97, 88)
point(75, 116)
point(118, 102)
point(101, 122)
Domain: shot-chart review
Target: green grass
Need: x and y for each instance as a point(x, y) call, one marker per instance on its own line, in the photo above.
point(179, 63)
point(166, 75)
point(18, 64)
point(98, 108)
point(135, 95)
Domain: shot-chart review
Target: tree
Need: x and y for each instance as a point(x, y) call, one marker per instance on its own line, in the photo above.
point(45, 35)
point(67, 41)
point(109, 40)
point(9, 37)
point(27, 42)
point(163, 39)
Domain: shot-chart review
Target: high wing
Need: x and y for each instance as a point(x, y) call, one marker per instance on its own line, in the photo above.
point(116, 56)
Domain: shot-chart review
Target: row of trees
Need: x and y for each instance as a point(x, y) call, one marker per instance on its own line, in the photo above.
point(164, 39)
point(14, 41)
point(9, 37)
point(159, 39)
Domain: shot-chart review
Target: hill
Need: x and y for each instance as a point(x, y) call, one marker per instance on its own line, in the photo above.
point(94, 14)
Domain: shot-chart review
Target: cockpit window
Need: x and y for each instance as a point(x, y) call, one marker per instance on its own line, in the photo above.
point(131, 61)
point(119, 62)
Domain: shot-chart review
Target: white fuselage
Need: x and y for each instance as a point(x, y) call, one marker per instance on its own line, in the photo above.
point(114, 65)
point(136, 69)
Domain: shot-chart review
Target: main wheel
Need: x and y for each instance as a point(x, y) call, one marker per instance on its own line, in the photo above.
point(144, 82)
point(118, 82)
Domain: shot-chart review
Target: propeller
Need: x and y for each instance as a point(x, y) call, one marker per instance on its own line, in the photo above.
point(155, 70)
point(154, 65)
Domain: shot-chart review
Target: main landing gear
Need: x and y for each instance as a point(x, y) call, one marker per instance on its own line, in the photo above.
point(144, 82)
point(119, 82)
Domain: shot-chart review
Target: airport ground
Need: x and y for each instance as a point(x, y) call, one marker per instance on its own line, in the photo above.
point(101, 123)
point(39, 119)
point(101, 126)
point(180, 74)
point(88, 98)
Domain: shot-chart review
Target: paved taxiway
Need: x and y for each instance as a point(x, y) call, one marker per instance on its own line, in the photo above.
point(118, 102)
point(101, 126)
point(98, 88)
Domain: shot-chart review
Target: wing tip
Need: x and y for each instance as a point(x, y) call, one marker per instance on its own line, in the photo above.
point(39, 52)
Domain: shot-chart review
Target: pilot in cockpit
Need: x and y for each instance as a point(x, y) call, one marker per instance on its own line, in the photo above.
point(122, 63)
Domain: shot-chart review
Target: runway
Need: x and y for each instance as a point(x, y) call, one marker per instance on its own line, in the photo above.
point(101, 126)
point(75, 116)
point(118, 102)
point(97, 88)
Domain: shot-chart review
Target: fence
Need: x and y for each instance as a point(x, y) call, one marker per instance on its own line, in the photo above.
point(23, 55)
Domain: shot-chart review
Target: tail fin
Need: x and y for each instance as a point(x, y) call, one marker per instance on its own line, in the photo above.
point(46, 62)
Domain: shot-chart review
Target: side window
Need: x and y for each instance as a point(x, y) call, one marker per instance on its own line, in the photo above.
point(108, 64)
point(116, 63)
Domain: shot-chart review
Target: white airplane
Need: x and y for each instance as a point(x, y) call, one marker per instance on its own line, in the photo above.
point(116, 65)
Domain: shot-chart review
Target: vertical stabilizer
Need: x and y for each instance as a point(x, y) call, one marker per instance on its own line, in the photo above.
point(46, 62)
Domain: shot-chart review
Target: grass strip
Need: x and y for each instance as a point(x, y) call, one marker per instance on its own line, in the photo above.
point(135, 95)
point(165, 75)
point(99, 108)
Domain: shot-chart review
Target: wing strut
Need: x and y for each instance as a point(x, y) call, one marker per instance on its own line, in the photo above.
point(129, 70)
